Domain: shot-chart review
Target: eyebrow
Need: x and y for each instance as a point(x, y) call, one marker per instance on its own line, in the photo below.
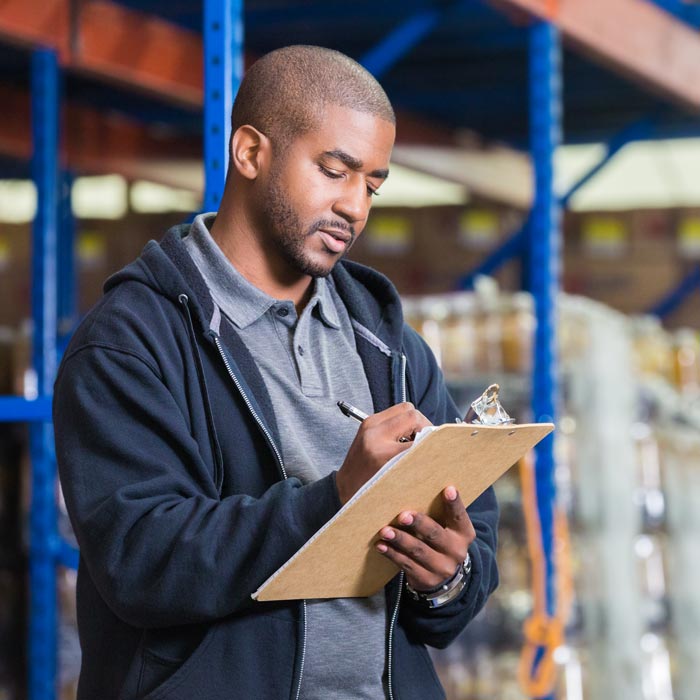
point(355, 163)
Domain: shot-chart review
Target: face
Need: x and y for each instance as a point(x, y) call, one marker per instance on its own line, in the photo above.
point(319, 191)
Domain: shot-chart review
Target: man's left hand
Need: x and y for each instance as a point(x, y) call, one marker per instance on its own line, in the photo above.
point(429, 552)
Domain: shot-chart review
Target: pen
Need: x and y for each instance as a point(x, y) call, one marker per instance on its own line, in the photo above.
point(351, 412)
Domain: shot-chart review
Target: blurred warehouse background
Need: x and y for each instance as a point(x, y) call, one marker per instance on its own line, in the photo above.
point(542, 221)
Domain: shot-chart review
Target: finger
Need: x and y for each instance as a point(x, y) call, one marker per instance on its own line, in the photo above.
point(399, 410)
point(392, 411)
point(418, 552)
point(456, 517)
point(426, 529)
point(405, 424)
point(419, 577)
point(397, 423)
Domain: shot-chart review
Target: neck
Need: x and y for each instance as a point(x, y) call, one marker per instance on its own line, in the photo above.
point(235, 233)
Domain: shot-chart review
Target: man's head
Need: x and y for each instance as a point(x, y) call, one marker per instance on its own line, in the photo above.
point(284, 94)
point(311, 141)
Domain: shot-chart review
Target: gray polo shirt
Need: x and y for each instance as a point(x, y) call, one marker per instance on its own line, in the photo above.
point(308, 363)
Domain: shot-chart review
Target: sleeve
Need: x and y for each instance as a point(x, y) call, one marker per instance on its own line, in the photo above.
point(440, 626)
point(159, 543)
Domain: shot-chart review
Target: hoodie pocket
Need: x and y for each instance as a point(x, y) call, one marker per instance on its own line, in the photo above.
point(155, 671)
point(233, 659)
point(161, 672)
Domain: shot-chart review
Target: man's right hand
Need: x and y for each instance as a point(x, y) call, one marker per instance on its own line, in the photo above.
point(376, 442)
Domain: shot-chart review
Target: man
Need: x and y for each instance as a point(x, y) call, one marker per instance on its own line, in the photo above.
point(199, 442)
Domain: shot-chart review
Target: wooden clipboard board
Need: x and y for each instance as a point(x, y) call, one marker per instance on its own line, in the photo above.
point(340, 561)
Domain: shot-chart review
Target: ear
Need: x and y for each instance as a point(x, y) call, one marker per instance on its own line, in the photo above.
point(249, 151)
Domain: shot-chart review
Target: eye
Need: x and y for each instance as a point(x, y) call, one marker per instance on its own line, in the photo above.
point(372, 192)
point(332, 174)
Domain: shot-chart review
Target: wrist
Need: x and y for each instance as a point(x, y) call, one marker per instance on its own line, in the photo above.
point(447, 591)
point(341, 489)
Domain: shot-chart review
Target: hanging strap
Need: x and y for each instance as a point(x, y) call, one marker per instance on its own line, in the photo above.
point(543, 632)
point(551, 9)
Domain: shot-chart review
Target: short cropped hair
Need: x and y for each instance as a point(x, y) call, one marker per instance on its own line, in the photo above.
point(283, 94)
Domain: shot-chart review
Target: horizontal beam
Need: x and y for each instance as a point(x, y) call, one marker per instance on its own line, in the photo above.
point(139, 50)
point(412, 129)
point(113, 43)
point(15, 409)
point(16, 133)
point(633, 37)
point(35, 23)
point(97, 142)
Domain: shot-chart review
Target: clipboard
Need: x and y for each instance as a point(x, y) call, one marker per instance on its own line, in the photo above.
point(340, 560)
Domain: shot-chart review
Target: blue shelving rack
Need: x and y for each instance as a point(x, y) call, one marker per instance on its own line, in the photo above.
point(538, 245)
point(223, 70)
point(544, 244)
point(42, 544)
point(54, 298)
point(46, 548)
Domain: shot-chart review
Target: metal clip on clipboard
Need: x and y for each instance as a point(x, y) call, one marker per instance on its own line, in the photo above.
point(487, 409)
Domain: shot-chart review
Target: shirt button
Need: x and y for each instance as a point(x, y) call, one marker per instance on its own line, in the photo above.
point(300, 349)
point(283, 311)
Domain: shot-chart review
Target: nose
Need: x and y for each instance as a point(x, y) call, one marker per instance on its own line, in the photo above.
point(353, 203)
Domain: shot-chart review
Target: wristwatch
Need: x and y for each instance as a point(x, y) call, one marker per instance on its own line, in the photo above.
point(448, 590)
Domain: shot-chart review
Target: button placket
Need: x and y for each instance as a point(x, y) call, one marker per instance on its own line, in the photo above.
point(310, 384)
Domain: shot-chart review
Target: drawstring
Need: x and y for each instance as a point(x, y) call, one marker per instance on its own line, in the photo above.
point(216, 450)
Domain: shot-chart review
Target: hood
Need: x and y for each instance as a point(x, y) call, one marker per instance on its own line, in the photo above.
point(167, 269)
point(371, 299)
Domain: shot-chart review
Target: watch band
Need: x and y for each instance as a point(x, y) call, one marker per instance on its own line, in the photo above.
point(448, 590)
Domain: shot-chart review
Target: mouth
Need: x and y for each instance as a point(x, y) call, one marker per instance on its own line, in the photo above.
point(336, 241)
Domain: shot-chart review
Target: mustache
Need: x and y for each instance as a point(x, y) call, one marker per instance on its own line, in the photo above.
point(337, 225)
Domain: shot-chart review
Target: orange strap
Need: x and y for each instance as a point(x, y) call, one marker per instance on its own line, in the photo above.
point(551, 9)
point(541, 630)
point(544, 632)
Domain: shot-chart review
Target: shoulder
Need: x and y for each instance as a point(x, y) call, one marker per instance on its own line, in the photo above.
point(372, 300)
point(418, 352)
point(131, 319)
point(426, 380)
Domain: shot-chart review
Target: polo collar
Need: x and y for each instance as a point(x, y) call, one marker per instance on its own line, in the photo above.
point(240, 300)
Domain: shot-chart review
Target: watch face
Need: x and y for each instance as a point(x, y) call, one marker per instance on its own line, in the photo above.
point(446, 592)
point(467, 566)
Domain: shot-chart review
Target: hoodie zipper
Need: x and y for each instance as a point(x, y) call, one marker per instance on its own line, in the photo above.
point(395, 614)
point(283, 471)
point(254, 413)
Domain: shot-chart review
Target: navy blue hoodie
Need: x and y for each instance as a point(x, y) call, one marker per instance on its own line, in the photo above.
point(167, 450)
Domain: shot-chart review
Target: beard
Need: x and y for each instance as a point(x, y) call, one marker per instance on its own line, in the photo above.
point(289, 234)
